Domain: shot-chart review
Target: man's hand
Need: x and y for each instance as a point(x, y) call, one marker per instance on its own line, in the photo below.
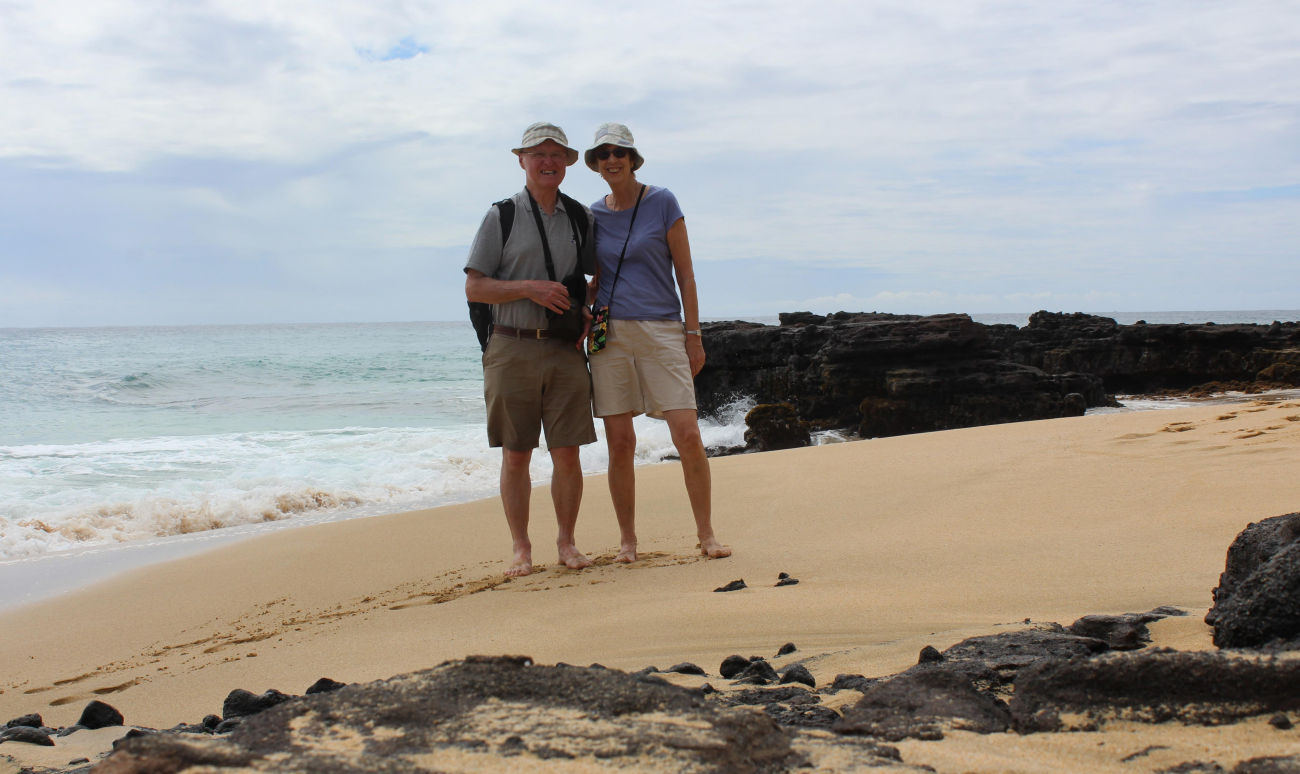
point(552, 295)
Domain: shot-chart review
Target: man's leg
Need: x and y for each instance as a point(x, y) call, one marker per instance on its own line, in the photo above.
point(566, 494)
point(620, 437)
point(685, 428)
point(516, 490)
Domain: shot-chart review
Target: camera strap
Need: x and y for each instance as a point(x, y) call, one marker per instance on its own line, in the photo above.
point(541, 231)
point(622, 254)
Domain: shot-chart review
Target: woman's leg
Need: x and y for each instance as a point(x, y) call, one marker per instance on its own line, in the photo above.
point(621, 440)
point(685, 428)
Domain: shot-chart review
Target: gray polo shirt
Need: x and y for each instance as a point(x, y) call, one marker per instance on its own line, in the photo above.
point(522, 257)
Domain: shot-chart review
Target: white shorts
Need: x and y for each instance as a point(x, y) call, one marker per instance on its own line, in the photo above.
point(643, 369)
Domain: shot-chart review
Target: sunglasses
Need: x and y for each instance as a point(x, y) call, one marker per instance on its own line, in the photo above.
point(618, 153)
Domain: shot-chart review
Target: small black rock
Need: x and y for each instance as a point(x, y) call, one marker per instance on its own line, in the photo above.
point(240, 703)
point(798, 673)
point(735, 585)
point(930, 655)
point(732, 666)
point(786, 649)
point(787, 582)
point(1280, 721)
point(27, 735)
point(758, 672)
point(686, 668)
point(325, 685)
point(846, 682)
point(97, 714)
point(782, 576)
point(30, 721)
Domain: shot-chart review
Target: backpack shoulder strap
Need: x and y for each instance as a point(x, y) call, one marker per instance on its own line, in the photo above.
point(506, 213)
point(577, 219)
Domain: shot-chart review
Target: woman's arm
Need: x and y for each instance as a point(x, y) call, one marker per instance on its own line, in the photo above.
point(680, 247)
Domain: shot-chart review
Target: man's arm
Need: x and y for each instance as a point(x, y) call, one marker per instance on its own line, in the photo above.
point(482, 288)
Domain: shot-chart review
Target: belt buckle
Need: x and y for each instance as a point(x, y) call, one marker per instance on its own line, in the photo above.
point(539, 333)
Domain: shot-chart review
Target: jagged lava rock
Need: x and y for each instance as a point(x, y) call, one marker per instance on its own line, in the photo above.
point(1257, 601)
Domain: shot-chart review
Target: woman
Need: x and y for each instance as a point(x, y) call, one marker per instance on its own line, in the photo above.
point(649, 360)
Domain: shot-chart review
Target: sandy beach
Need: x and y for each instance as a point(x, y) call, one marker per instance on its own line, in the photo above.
point(898, 543)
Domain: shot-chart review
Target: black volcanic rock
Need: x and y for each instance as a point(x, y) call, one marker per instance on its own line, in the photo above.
point(1119, 632)
point(1156, 686)
point(879, 374)
point(919, 703)
point(882, 374)
point(772, 426)
point(404, 724)
point(97, 714)
point(240, 703)
point(1257, 601)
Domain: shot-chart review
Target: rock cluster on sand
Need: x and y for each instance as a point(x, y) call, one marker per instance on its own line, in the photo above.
point(881, 374)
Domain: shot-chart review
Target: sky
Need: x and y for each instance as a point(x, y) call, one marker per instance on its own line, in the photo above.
point(267, 161)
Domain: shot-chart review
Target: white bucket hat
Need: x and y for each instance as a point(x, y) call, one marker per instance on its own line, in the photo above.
point(539, 133)
point(617, 135)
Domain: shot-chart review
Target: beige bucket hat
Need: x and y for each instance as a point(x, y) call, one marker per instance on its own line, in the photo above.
point(540, 132)
point(617, 135)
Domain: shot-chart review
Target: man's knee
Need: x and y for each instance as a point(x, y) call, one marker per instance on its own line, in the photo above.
point(515, 459)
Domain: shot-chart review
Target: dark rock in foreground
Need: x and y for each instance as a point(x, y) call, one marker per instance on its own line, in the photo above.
point(1154, 687)
point(919, 703)
point(1257, 601)
point(488, 707)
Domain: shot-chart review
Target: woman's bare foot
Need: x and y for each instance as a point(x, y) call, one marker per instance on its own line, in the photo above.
point(711, 548)
point(572, 558)
point(523, 564)
point(626, 553)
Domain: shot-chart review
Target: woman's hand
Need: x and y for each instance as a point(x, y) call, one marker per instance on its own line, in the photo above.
point(586, 329)
point(695, 353)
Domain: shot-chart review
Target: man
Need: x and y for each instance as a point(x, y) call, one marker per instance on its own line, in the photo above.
point(534, 375)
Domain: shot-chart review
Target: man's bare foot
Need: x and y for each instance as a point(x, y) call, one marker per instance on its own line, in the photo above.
point(523, 564)
point(711, 548)
point(572, 558)
point(626, 553)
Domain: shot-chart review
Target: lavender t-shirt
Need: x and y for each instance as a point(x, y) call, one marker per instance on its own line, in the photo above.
point(646, 290)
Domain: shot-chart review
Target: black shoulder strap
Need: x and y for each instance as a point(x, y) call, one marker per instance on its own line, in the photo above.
point(506, 214)
point(577, 219)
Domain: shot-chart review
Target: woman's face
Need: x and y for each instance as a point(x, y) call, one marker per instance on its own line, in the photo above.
point(614, 168)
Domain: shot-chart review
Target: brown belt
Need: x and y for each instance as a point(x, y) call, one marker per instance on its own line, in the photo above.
point(521, 333)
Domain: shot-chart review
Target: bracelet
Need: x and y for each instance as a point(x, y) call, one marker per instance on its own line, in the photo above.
point(694, 333)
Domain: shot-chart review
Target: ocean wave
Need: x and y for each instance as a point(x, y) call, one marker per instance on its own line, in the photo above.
point(56, 498)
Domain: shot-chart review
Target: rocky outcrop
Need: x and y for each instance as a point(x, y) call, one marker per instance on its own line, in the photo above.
point(1199, 687)
point(884, 374)
point(1144, 358)
point(879, 374)
point(1257, 601)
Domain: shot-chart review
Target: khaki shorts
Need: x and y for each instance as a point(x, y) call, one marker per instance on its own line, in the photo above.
point(643, 369)
point(531, 384)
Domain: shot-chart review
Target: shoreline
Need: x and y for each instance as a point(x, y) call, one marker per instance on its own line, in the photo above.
point(41, 578)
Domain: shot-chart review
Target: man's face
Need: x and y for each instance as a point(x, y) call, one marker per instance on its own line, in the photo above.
point(544, 164)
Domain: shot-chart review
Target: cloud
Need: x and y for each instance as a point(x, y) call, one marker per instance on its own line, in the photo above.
point(969, 153)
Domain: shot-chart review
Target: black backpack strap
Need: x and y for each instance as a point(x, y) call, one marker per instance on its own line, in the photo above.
point(577, 219)
point(506, 214)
